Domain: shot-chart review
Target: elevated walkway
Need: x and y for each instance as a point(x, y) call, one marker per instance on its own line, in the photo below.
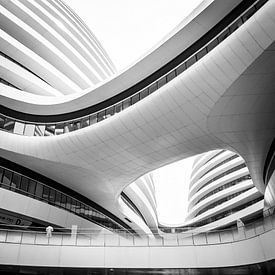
point(253, 243)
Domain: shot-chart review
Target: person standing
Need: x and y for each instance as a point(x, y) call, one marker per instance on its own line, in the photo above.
point(49, 230)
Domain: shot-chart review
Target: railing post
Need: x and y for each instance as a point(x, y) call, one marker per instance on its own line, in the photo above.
point(192, 234)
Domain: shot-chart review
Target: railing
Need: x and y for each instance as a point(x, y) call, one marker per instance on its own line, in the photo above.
point(26, 186)
point(28, 128)
point(86, 237)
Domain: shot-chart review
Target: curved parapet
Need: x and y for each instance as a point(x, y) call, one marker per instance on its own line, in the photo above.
point(226, 248)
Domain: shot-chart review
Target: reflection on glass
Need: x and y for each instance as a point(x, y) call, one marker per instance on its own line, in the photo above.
point(85, 122)
point(39, 130)
point(118, 107)
point(49, 130)
point(59, 129)
point(126, 103)
point(9, 125)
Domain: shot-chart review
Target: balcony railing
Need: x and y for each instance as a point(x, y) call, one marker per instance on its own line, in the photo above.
point(86, 237)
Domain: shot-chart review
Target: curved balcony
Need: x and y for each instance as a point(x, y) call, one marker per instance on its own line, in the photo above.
point(35, 125)
point(244, 245)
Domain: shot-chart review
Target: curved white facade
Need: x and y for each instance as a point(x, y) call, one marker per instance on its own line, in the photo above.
point(45, 49)
point(198, 110)
point(221, 191)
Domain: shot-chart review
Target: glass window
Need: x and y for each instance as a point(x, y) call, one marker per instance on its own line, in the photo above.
point(126, 103)
point(86, 211)
point(118, 107)
point(2, 121)
point(212, 45)
point(110, 111)
point(19, 128)
point(223, 35)
point(68, 127)
point(260, 4)
point(15, 182)
point(93, 119)
point(152, 88)
point(82, 209)
point(161, 82)
point(57, 198)
point(144, 93)
point(135, 98)
point(235, 25)
point(52, 195)
point(59, 129)
point(6, 178)
point(39, 190)
point(49, 130)
point(171, 75)
point(76, 124)
point(1, 173)
point(201, 53)
point(181, 68)
point(29, 130)
point(32, 186)
point(248, 14)
point(190, 61)
point(24, 184)
point(63, 201)
point(69, 203)
point(39, 130)
point(85, 122)
point(77, 207)
point(46, 193)
point(73, 207)
point(101, 115)
point(9, 124)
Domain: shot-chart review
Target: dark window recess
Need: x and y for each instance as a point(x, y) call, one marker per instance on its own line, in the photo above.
point(161, 82)
point(235, 25)
point(223, 35)
point(248, 14)
point(110, 111)
point(171, 75)
point(6, 180)
point(190, 61)
point(153, 88)
point(85, 122)
point(201, 53)
point(118, 107)
point(181, 68)
point(212, 45)
point(126, 103)
point(2, 121)
point(135, 98)
point(144, 93)
point(59, 128)
point(49, 130)
point(101, 116)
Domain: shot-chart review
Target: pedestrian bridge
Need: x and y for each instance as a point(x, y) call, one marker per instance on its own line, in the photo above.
point(250, 244)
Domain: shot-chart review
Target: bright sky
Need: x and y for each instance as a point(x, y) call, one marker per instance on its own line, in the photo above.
point(127, 30)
